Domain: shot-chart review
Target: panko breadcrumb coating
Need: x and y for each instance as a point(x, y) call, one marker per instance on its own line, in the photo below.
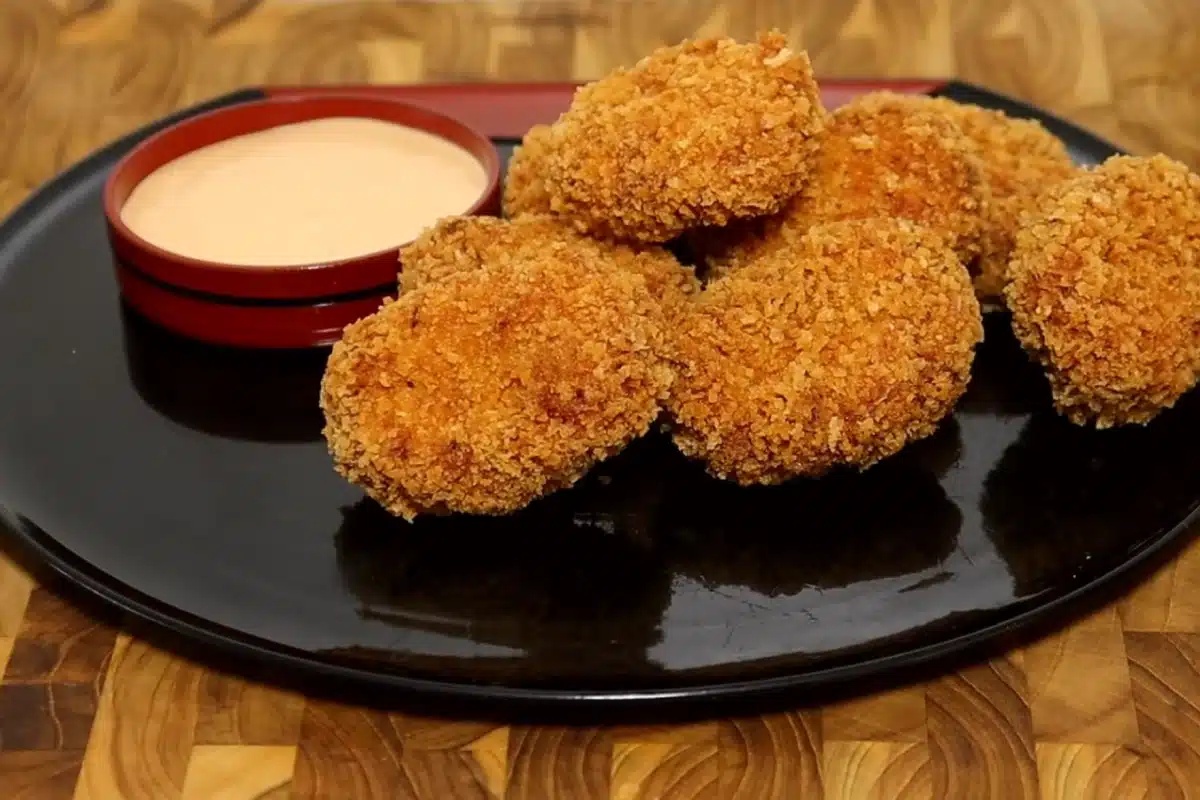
point(525, 181)
point(700, 133)
point(1021, 161)
point(457, 244)
point(1104, 289)
point(879, 156)
point(482, 392)
point(838, 348)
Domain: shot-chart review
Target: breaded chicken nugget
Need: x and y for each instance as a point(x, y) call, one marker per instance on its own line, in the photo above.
point(494, 387)
point(697, 134)
point(525, 181)
point(838, 348)
point(1021, 160)
point(879, 156)
point(1104, 288)
point(458, 244)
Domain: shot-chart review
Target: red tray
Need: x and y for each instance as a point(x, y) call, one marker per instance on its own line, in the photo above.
point(508, 110)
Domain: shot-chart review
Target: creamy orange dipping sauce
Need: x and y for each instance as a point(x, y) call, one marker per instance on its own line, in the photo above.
point(304, 193)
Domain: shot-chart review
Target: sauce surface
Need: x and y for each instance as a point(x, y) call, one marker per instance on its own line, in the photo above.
point(304, 193)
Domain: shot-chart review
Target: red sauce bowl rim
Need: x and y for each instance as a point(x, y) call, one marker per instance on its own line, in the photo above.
point(300, 281)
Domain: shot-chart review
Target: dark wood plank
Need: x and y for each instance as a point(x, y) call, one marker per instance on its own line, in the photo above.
point(39, 775)
point(46, 716)
point(57, 642)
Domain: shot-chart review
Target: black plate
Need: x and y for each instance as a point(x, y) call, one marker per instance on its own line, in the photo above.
point(189, 486)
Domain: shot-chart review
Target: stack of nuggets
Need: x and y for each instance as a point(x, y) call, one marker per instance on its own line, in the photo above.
point(843, 258)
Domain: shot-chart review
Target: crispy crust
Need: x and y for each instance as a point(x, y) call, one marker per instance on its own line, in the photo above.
point(463, 244)
point(1104, 288)
point(482, 392)
point(525, 181)
point(837, 348)
point(881, 155)
point(697, 134)
point(1021, 160)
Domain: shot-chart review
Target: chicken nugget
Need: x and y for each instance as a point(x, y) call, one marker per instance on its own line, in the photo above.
point(1021, 160)
point(880, 155)
point(458, 244)
point(485, 391)
point(525, 181)
point(1104, 289)
point(836, 349)
point(700, 133)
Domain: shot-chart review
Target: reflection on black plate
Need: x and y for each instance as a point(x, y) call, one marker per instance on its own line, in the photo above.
point(539, 585)
point(240, 394)
point(581, 581)
point(833, 533)
point(189, 484)
point(1062, 495)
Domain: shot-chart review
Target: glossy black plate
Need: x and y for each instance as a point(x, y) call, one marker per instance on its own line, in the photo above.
point(189, 486)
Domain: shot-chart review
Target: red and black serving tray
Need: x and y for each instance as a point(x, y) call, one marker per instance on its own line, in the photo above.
point(187, 486)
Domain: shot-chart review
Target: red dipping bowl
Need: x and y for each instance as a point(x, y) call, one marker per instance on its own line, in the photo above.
point(301, 305)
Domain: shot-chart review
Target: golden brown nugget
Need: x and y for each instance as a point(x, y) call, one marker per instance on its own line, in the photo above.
point(1021, 160)
point(880, 155)
point(495, 387)
point(525, 181)
point(837, 348)
point(1104, 289)
point(700, 133)
point(458, 244)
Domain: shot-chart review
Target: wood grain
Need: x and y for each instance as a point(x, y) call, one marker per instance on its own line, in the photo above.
point(981, 717)
point(348, 751)
point(1165, 672)
point(895, 716)
point(233, 712)
point(774, 756)
point(878, 770)
point(1094, 772)
point(142, 735)
point(230, 773)
point(1104, 709)
point(1061, 713)
point(558, 762)
point(654, 770)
